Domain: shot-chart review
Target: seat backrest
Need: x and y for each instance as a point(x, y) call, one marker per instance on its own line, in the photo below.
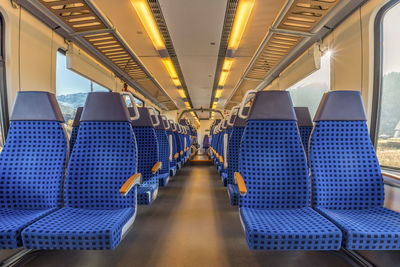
point(271, 159)
point(345, 171)
point(147, 144)
point(234, 142)
point(163, 144)
point(32, 162)
point(75, 128)
point(104, 155)
point(304, 123)
point(206, 141)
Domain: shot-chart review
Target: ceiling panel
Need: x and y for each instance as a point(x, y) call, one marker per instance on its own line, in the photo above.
point(193, 26)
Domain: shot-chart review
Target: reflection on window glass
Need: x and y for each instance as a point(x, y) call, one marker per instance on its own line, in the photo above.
point(3, 119)
point(308, 92)
point(72, 90)
point(138, 101)
point(388, 145)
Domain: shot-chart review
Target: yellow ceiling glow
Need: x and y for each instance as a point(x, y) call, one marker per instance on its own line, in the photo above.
point(243, 12)
point(227, 64)
point(218, 93)
point(181, 93)
point(222, 78)
point(145, 16)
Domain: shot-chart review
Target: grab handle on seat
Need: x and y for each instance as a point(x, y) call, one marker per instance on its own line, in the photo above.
point(244, 102)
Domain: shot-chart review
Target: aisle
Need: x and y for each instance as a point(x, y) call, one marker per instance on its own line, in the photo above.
point(190, 224)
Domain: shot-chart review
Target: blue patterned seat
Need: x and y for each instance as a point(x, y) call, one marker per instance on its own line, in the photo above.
point(234, 142)
point(32, 165)
point(96, 215)
point(173, 145)
point(346, 176)
point(275, 210)
point(148, 156)
point(75, 128)
point(163, 149)
point(304, 123)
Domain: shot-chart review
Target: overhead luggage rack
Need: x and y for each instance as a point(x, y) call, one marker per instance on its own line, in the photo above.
point(81, 22)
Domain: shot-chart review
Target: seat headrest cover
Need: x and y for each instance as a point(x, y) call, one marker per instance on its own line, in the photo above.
point(239, 122)
point(303, 116)
point(231, 121)
point(183, 122)
point(173, 126)
point(161, 125)
point(105, 106)
point(341, 106)
point(77, 120)
point(272, 105)
point(144, 118)
point(36, 106)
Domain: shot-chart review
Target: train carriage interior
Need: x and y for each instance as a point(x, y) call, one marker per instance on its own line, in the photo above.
point(199, 133)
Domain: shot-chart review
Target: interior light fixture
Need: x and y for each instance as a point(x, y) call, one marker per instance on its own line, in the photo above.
point(182, 93)
point(143, 10)
point(170, 68)
point(243, 12)
point(218, 93)
point(222, 78)
point(227, 64)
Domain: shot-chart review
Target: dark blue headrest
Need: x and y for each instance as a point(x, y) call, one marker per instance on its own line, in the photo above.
point(162, 125)
point(105, 106)
point(303, 117)
point(341, 106)
point(183, 122)
point(239, 122)
point(173, 126)
point(272, 105)
point(231, 121)
point(224, 125)
point(36, 106)
point(77, 119)
point(144, 119)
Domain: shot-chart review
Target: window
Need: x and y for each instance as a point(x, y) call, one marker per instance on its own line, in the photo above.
point(308, 92)
point(387, 134)
point(4, 122)
point(72, 90)
point(139, 102)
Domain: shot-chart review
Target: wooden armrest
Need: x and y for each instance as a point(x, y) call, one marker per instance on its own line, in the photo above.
point(217, 155)
point(176, 155)
point(221, 159)
point(135, 179)
point(181, 153)
point(240, 183)
point(156, 167)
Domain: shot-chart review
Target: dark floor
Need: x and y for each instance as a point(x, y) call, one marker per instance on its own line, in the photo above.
point(190, 224)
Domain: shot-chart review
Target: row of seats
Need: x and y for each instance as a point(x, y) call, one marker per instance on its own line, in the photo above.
point(115, 162)
point(308, 187)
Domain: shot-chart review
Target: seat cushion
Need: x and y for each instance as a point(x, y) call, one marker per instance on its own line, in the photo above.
point(147, 193)
point(367, 229)
point(72, 228)
point(224, 178)
point(234, 195)
point(289, 229)
point(163, 178)
point(13, 221)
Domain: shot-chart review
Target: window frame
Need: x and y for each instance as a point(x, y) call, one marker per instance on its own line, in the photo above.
point(377, 75)
point(378, 70)
point(3, 84)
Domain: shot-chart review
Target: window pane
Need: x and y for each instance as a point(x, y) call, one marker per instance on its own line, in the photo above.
point(3, 114)
point(99, 88)
point(128, 102)
point(388, 145)
point(71, 90)
point(308, 92)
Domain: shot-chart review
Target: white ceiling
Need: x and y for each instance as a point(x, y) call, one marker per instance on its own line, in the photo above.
point(193, 25)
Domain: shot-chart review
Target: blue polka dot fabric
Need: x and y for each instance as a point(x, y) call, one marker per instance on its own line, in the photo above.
point(275, 211)
point(32, 165)
point(344, 167)
point(72, 140)
point(305, 132)
point(163, 149)
point(289, 229)
point(367, 229)
point(274, 167)
point(348, 186)
point(233, 152)
point(104, 157)
point(234, 195)
point(71, 228)
point(148, 155)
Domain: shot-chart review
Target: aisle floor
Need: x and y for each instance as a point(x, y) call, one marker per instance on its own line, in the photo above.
point(190, 224)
